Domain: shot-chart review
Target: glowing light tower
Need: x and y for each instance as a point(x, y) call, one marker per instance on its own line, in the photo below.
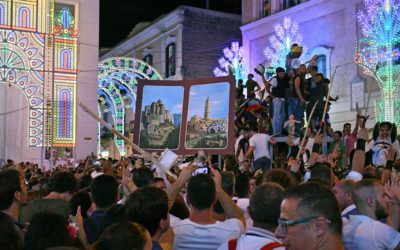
point(281, 41)
point(378, 53)
point(233, 58)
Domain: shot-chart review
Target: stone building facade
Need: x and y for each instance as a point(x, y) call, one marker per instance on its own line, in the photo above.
point(183, 44)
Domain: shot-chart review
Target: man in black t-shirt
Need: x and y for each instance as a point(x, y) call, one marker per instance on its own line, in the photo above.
point(278, 88)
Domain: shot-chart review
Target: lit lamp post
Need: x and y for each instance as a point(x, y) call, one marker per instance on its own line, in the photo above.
point(378, 55)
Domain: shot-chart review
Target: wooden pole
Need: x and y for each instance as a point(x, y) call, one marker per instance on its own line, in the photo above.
point(305, 134)
point(145, 154)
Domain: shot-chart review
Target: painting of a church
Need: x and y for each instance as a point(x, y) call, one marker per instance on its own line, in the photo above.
point(206, 132)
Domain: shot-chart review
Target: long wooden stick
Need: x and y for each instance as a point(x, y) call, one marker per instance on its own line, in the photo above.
point(328, 95)
point(305, 134)
point(145, 154)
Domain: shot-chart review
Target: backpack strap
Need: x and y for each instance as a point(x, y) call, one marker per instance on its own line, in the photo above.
point(232, 244)
point(271, 246)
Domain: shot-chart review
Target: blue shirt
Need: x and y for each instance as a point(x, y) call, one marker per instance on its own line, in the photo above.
point(92, 225)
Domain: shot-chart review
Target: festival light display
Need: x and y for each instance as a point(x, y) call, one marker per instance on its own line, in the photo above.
point(38, 55)
point(233, 58)
point(281, 41)
point(377, 53)
point(117, 88)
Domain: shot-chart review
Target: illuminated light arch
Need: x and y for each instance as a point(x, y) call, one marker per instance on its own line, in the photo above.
point(285, 34)
point(2, 14)
point(377, 53)
point(65, 59)
point(234, 58)
point(65, 107)
point(116, 74)
point(28, 48)
point(24, 17)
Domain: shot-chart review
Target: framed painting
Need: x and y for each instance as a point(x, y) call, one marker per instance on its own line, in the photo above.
point(186, 116)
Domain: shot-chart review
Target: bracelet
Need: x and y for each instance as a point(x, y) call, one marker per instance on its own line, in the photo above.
point(316, 148)
point(389, 165)
point(360, 144)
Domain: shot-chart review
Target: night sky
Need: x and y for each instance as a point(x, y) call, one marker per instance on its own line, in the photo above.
point(118, 17)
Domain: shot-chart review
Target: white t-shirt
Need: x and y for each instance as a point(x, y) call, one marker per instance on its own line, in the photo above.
point(254, 239)
point(260, 144)
point(193, 236)
point(362, 232)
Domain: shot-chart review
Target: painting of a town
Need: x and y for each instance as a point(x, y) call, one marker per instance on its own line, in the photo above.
point(161, 116)
point(207, 119)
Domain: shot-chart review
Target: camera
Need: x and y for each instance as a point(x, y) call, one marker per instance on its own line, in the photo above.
point(96, 163)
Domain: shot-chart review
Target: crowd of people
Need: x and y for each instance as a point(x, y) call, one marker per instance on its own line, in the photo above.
point(303, 193)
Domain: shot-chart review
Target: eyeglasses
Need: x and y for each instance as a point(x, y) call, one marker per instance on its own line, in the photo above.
point(284, 224)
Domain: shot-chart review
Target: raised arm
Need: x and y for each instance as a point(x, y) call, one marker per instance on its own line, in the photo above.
point(230, 208)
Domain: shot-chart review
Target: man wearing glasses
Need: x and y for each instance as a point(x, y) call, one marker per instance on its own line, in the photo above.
point(310, 218)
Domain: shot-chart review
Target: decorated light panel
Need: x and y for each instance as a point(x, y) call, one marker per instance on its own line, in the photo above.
point(42, 63)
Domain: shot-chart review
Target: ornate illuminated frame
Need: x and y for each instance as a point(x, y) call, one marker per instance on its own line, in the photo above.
point(117, 88)
point(38, 40)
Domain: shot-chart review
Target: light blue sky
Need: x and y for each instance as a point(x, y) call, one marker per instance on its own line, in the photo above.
point(171, 96)
point(219, 100)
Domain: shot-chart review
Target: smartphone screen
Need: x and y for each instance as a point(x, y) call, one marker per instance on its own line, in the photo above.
point(201, 170)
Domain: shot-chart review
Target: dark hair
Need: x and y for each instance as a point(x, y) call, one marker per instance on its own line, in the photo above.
point(228, 185)
point(326, 80)
point(242, 186)
point(81, 199)
point(10, 239)
point(280, 176)
point(9, 183)
point(346, 124)
point(316, 200)
point(142, 177)
point(114, 214)
point(265, 203)
point(323, 173)
point(122, 236)
point(201, 191)
point(339, 133)
point(230, 164)
point(314, 67)
point(147, 206)
point(62, 182)
point(157, 179)
point(228, 182)
point(104, 191)
point(47, 229)
point(84, 181)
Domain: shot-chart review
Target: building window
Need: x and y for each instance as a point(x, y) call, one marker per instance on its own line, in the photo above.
point(265, 8)
point(290, 3)
point(170, 60)
point(321, 61)
point(148, 59)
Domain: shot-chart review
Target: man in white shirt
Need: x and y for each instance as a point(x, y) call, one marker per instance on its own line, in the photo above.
point(365, 231)
point(259, 147)
point(201, 230)
point(343, 192)
point(266, 197)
